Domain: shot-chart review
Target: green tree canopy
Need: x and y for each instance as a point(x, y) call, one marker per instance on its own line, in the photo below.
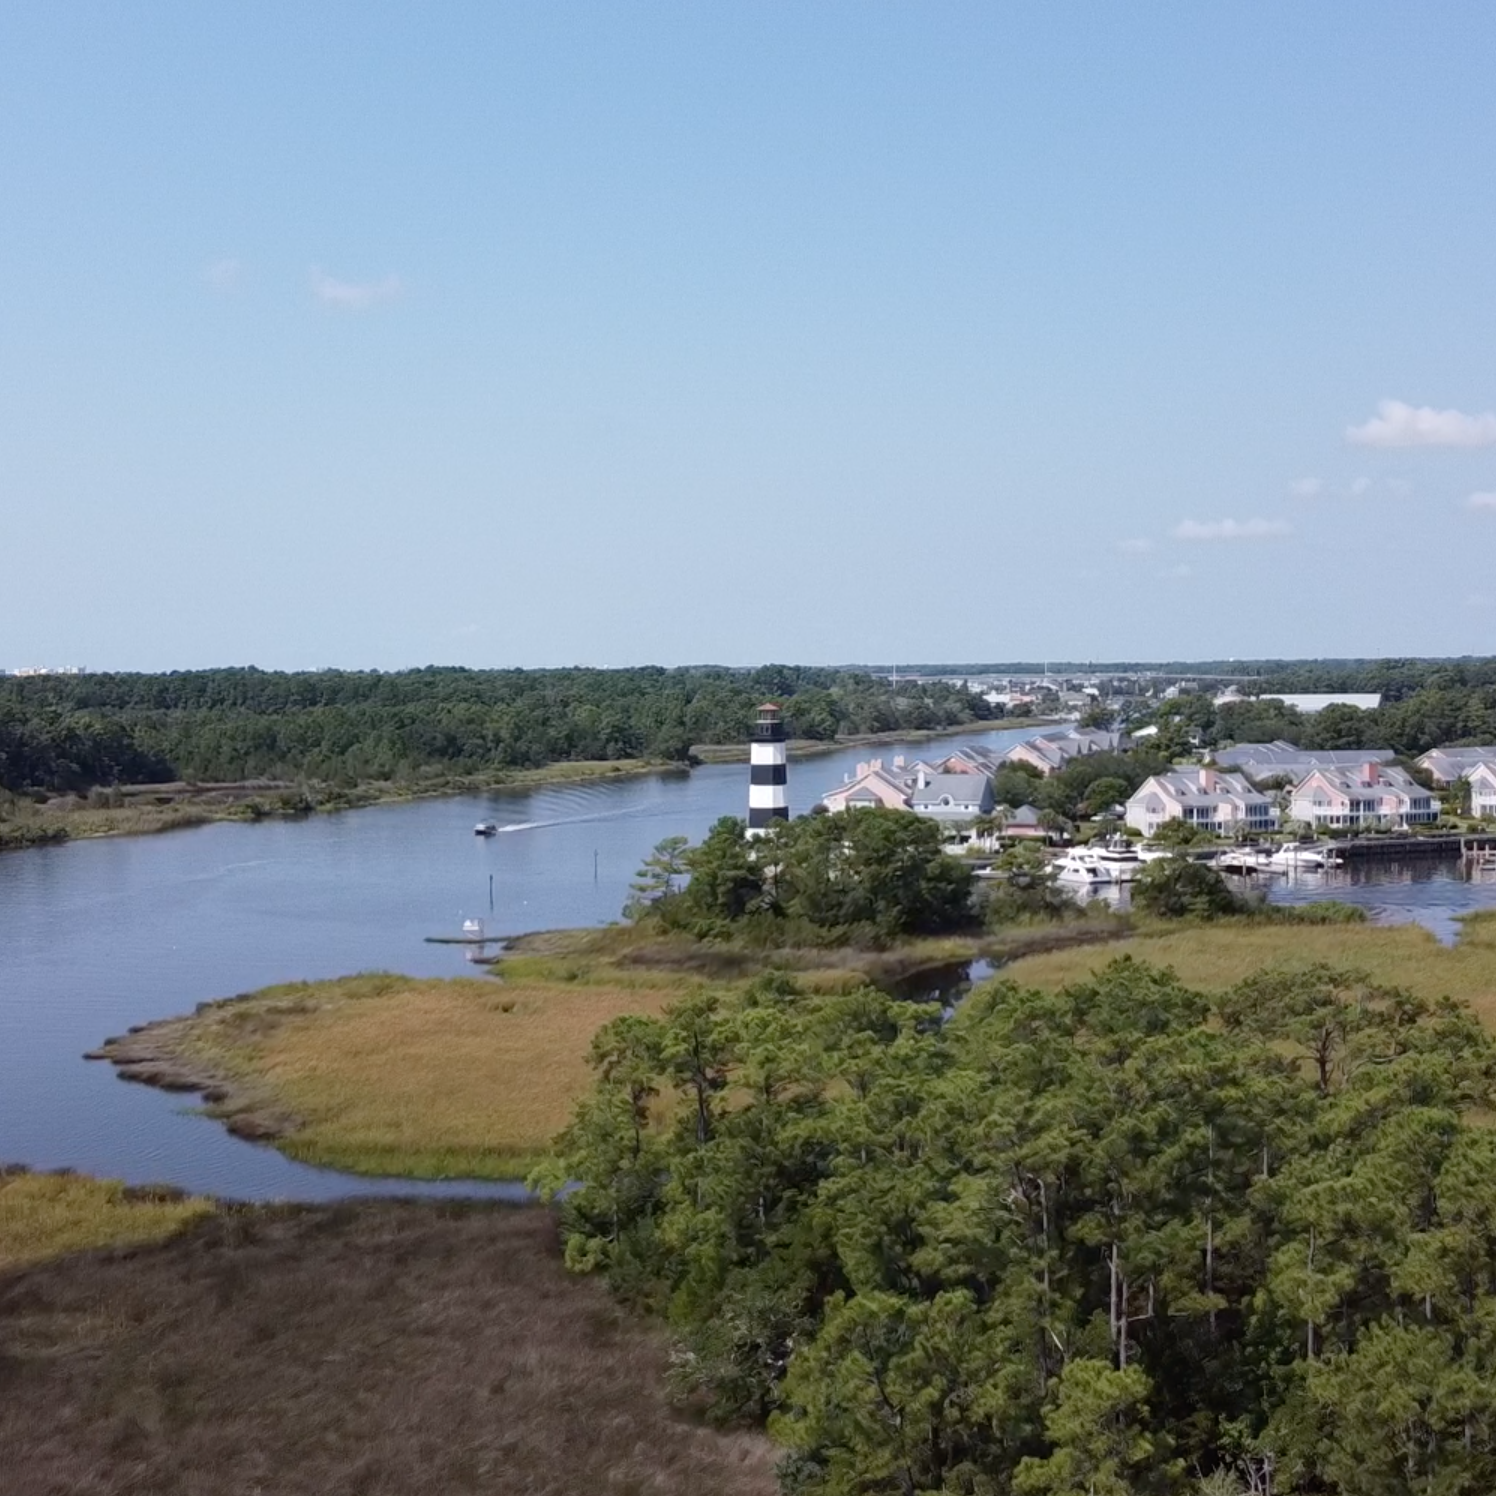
point(1122, 1238)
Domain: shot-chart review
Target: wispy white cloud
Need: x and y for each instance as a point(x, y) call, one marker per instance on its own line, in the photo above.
point(1486, 501)
point(1178, 571)
point(1232, 529)
point(1397, 424)
point(354, 296)
point(1480, 601)
point(1136, 547)
point(224, 275)
point(1357, 488)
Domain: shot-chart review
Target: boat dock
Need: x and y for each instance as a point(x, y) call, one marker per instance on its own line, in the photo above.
point(1401, 848)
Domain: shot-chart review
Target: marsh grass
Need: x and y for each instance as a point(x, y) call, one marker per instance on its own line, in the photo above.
point(381, 1074)
point(48, 1215)
point(388, 1348)
point(1216, 955)
point(468, 1077)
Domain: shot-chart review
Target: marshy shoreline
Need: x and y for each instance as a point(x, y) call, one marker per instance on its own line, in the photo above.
point(401, 1346)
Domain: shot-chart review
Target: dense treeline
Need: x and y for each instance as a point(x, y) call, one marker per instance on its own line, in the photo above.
point(74, 732)
point(1123, 1239)
point(1396, 678)
point(864, 878)
point(1441, 713)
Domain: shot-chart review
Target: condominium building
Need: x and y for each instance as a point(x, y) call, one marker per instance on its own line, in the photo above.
point(1210, 798)
point(1371, 794)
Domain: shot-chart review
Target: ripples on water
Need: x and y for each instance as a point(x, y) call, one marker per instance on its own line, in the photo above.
point(96, 936)
point(1424, 891)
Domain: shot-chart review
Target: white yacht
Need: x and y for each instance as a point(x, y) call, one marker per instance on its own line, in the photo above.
point(486, 828)
point(1244, 860)
point(1101, 862)
point(1303, 854)
point(1079, 865)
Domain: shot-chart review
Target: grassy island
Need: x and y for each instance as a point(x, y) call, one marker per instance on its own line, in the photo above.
point(462, 1077)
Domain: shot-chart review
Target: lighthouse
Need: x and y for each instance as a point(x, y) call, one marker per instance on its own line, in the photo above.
point(768, 775)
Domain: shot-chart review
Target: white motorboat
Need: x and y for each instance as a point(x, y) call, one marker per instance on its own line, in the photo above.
point(1101, 862)
point(1120, 859)
point(1080, 865)
point(1244, 860)
point(1148, 852)
point(1303, 854)
point(486, 828)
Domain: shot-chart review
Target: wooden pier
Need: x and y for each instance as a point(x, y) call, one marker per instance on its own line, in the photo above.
point(1450, 847)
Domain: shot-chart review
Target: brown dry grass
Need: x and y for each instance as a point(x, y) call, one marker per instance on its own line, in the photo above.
point(1217, 955)
point(384, 1348)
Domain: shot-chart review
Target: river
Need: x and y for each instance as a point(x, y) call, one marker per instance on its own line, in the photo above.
point(98, 935)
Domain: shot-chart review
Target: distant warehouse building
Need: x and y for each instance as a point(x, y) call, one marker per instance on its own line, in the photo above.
point(1310, 702)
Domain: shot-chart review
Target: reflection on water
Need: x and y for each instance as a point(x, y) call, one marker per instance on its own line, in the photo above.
point(96, 936)
point(1428, 891)
point(1425, 891)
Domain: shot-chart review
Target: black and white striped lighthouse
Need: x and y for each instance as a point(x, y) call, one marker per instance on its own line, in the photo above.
point(768, 774)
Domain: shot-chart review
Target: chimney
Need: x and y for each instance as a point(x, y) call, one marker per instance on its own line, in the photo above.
point(1371, 772)
point(898, 762)
point(1208, 780)
point(923, 779)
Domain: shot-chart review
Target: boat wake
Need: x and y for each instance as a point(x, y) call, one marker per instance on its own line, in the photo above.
point(598, 815)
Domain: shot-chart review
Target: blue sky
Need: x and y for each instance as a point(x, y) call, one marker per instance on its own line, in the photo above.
point(376, 335)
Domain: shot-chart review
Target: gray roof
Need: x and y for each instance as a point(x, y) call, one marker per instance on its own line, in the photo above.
point(1263, 760)
point(964, 789)
point(1460, 760)
point(1185, 785)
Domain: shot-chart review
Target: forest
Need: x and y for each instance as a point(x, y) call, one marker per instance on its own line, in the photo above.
point(1439, 713)
point(1124, 1239)
point(71, 733)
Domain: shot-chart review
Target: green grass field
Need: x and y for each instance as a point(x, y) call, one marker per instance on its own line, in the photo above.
point(50, 1215)
point(1217, 955)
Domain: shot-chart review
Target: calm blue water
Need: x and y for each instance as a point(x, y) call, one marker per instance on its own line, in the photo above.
point(96, 936)
point(1419, 891)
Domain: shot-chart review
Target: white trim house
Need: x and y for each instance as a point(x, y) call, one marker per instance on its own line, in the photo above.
point(1219, 802)
point(1449, 764)
point(1371, 795)
point(1483, 789)
point(952, 798)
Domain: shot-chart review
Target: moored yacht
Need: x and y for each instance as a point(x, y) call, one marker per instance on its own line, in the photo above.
point(1114, 861)
point(1305, 854)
